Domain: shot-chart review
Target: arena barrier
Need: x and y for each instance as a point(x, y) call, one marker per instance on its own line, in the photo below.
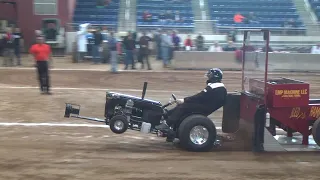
point(291, 62)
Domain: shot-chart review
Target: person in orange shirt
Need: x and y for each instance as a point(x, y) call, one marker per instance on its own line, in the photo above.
point(42, 53)
point(238, 18)
point(188, 43)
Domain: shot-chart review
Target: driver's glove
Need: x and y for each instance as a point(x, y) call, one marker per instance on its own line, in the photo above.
point(180, 101)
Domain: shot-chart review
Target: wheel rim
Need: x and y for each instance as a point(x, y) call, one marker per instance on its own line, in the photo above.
point(118, 125)
point(199, 135)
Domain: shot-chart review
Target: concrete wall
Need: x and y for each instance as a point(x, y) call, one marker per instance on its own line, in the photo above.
point(226, 60)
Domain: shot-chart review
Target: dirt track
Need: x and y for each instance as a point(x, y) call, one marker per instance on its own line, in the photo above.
point(44, 152)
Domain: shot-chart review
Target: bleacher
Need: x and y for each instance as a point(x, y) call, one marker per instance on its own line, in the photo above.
point(315, 4)
point(88, 12)
point(156, 7)
point(270, 14)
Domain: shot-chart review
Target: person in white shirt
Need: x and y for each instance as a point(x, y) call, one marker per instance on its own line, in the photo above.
point(215, 48)
point(166, 45)
point(315, 49)
point(82, 40)
point(177, 17)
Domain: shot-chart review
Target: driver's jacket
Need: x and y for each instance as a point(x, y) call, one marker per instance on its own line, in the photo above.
point(212, 97)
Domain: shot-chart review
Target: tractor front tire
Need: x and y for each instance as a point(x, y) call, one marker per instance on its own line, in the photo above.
point(119, 124)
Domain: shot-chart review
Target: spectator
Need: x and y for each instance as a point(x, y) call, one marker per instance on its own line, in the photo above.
point(263, 49)
point(166, 45)
point(82, 45)
point(251, 18)
point(200, 42)
point(102, 3)
point(157, 39)
point(315, 49)
point(144, 50)
point(42, 53)
point(134, 36)
point(292, 23)
point(169, 16)
point(162, 17)
point(2, 44)
point(288, 26)
point(104, 32)
point(232, 35)
point(176, 44)
point(177, 17)
point(147, 17)
point(112, 44)
point(8, 47)
point(97, 46)
point(130, 46)
point(17, 45)
point(230, 47)
point(215, 48)
point(51, 32)
point(37, 33)
point(188, 43)
point(248, 48)
point(238, 18)
point(90, 42)
point(176, 41)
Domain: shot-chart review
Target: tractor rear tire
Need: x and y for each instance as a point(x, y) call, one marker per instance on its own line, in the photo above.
point(197, 123)
point(119, 124)
point(316, 131)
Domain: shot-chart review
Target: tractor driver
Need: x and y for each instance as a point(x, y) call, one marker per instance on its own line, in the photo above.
point(205, 102)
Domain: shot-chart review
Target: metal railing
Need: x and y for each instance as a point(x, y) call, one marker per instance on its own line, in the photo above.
point(309, 29)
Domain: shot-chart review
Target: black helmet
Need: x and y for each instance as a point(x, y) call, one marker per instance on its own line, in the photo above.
point(214, 75)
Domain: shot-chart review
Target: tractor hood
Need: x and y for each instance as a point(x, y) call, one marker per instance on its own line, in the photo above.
point(114, 95)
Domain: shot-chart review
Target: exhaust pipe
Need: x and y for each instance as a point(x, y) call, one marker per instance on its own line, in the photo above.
point(145, 84)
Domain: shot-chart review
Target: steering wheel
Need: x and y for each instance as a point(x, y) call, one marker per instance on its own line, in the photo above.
point(174, 97)
point(170, 103)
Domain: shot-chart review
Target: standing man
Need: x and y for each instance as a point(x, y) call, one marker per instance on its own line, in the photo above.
point(82, 41)
point(130, 46)
point(157, 39)
point(144, 50)
point(200, 42)
point(42, 53)
point(9, 48)
point(112, 44)
point(17, 45)
point(176, 44)
point(104, 33)
point(97, 47)
point(166, 45)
